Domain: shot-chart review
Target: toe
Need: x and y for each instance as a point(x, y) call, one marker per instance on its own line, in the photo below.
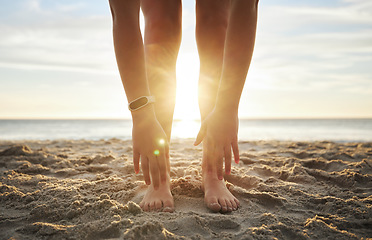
point(146, 206)
point(141, 205)
point(223, 205)
point(233, 204)
point(215, 207)
point(152, 206)
point(158, 205)
point(237, 202)
point(212, 204)
point(168, 206)
point(229, 205)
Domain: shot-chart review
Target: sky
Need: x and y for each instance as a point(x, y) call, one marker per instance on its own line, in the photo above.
point(312, 59)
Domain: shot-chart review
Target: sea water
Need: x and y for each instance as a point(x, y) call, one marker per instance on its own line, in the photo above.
point(339, 130)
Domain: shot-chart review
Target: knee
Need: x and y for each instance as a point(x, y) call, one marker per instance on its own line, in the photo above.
point(163, 23)
point(212, 13)
point(163, 17)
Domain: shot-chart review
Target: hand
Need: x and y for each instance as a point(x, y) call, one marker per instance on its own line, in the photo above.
point(219, 133)
point(151, 146)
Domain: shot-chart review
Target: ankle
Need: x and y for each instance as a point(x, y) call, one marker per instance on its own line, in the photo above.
point(211, 177)
point(166, 183)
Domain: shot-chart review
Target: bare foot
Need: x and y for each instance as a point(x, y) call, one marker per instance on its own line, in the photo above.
point(158, 200)
point(216, 195)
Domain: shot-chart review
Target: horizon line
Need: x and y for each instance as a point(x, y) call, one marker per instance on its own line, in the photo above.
point(198, 119)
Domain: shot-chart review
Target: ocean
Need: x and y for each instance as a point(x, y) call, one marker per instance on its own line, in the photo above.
point(338, 130)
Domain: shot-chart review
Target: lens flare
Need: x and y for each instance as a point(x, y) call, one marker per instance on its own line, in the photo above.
point(161, 141)
point(156, 152)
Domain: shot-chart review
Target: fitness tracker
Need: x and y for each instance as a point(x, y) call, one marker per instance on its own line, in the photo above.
point(140, 102)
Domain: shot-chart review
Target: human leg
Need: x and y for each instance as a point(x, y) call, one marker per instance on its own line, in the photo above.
point(211, 24)
point(161, 42)
point(210, 32)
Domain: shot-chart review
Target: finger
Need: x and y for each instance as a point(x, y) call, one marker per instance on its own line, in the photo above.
point(166, 148)
point(206, 166)
point(201, 134)
point(162, 164)
point(208, 155)
point(136, 159)
point(235, 149)
point(154, 169)
point(228, 159)
point(219, 160)
point(145, 169)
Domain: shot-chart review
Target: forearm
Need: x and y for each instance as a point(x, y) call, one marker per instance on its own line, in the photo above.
point(239, 46)
point(129, 52)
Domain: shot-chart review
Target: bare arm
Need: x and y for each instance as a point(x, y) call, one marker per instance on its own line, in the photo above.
point(220, 128)
point(129, 49)
point(130, 58)
point(240, 39)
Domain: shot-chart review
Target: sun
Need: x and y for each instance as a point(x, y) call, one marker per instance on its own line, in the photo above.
point(186, 113)
point(187, 70)
point(187, 87)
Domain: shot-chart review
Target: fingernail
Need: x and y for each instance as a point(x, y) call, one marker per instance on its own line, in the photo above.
point(220, 177)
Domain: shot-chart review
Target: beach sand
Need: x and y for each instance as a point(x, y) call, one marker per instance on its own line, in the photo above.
point(80, 189)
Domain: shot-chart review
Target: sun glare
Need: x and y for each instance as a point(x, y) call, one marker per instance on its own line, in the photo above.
point(186, 128)
point(186, 114)
point(187, 87)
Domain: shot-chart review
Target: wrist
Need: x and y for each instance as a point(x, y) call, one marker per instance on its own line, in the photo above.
point(226, 106)
point(144, 114)
point(140, 102)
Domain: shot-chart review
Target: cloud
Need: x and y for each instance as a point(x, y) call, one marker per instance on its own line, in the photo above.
point(70, 7)
point(32, 5)
point(314, 48)
point(298, 49)
point(57, 40)
point(279, 17)
point(42, 37)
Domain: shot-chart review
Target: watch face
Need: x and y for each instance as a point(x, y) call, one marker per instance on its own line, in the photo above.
point(138, 103)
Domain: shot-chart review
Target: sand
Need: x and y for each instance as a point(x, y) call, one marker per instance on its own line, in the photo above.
point(80, 189)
